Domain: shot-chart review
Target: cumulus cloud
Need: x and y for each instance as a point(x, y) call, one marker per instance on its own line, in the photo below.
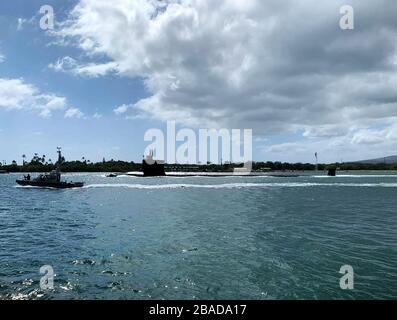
point(16, 94)
point(94, 70)
point(356, 144)
point(272, 66)
point(74, 113)
point(121, 109)
point(2, 57)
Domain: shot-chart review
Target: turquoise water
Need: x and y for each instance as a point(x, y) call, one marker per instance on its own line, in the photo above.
point(201, 238)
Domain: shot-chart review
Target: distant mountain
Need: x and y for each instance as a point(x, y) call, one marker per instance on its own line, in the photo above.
point(387, 160)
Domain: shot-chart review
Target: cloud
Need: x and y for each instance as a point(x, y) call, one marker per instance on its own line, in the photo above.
point(21, 22)
point(356, 144)
point(2, 57)
point(288, 147)
point(121, 109)
point(275, 67)
point(325, 131)
point(74, 113)
point(16, 94)
point(386, 136)
point(93, 70)
point(97, 115)
point(261, 65)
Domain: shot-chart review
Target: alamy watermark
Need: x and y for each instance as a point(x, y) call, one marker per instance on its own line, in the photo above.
point(47, 20)
point(235, 146)
point(47, 279)
point(346, 22)
point(346, 282)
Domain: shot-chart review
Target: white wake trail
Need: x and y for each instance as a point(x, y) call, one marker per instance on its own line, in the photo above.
point(240, 185)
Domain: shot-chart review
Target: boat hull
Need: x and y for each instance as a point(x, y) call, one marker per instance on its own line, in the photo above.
point(47, 184)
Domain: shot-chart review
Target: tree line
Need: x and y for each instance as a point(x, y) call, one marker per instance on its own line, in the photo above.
point(42, 164)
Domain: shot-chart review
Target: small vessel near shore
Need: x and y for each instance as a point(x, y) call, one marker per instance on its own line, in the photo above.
point(47, 181)
point(112, 175)
point(50, 180)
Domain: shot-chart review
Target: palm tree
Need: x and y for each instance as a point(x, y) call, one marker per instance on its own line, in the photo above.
point(36, 157)
point(23, 159)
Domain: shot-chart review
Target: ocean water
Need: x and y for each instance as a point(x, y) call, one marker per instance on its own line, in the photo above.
point(201, 238)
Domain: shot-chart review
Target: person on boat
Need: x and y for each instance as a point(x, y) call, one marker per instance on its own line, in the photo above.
point(28, 177)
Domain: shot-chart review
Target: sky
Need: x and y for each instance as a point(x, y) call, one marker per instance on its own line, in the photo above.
point(111, 70)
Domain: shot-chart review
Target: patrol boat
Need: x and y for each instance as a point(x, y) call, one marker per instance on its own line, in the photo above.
point(51, 180)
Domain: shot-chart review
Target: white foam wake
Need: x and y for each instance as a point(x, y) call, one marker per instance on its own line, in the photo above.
point(240, 185)
point(358, 176)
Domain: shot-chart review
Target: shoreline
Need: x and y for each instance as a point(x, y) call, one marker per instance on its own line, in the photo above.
point(184, 174)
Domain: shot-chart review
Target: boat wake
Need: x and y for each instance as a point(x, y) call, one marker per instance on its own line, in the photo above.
point(358, 176)
point(35, 187)
point(240, 185)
